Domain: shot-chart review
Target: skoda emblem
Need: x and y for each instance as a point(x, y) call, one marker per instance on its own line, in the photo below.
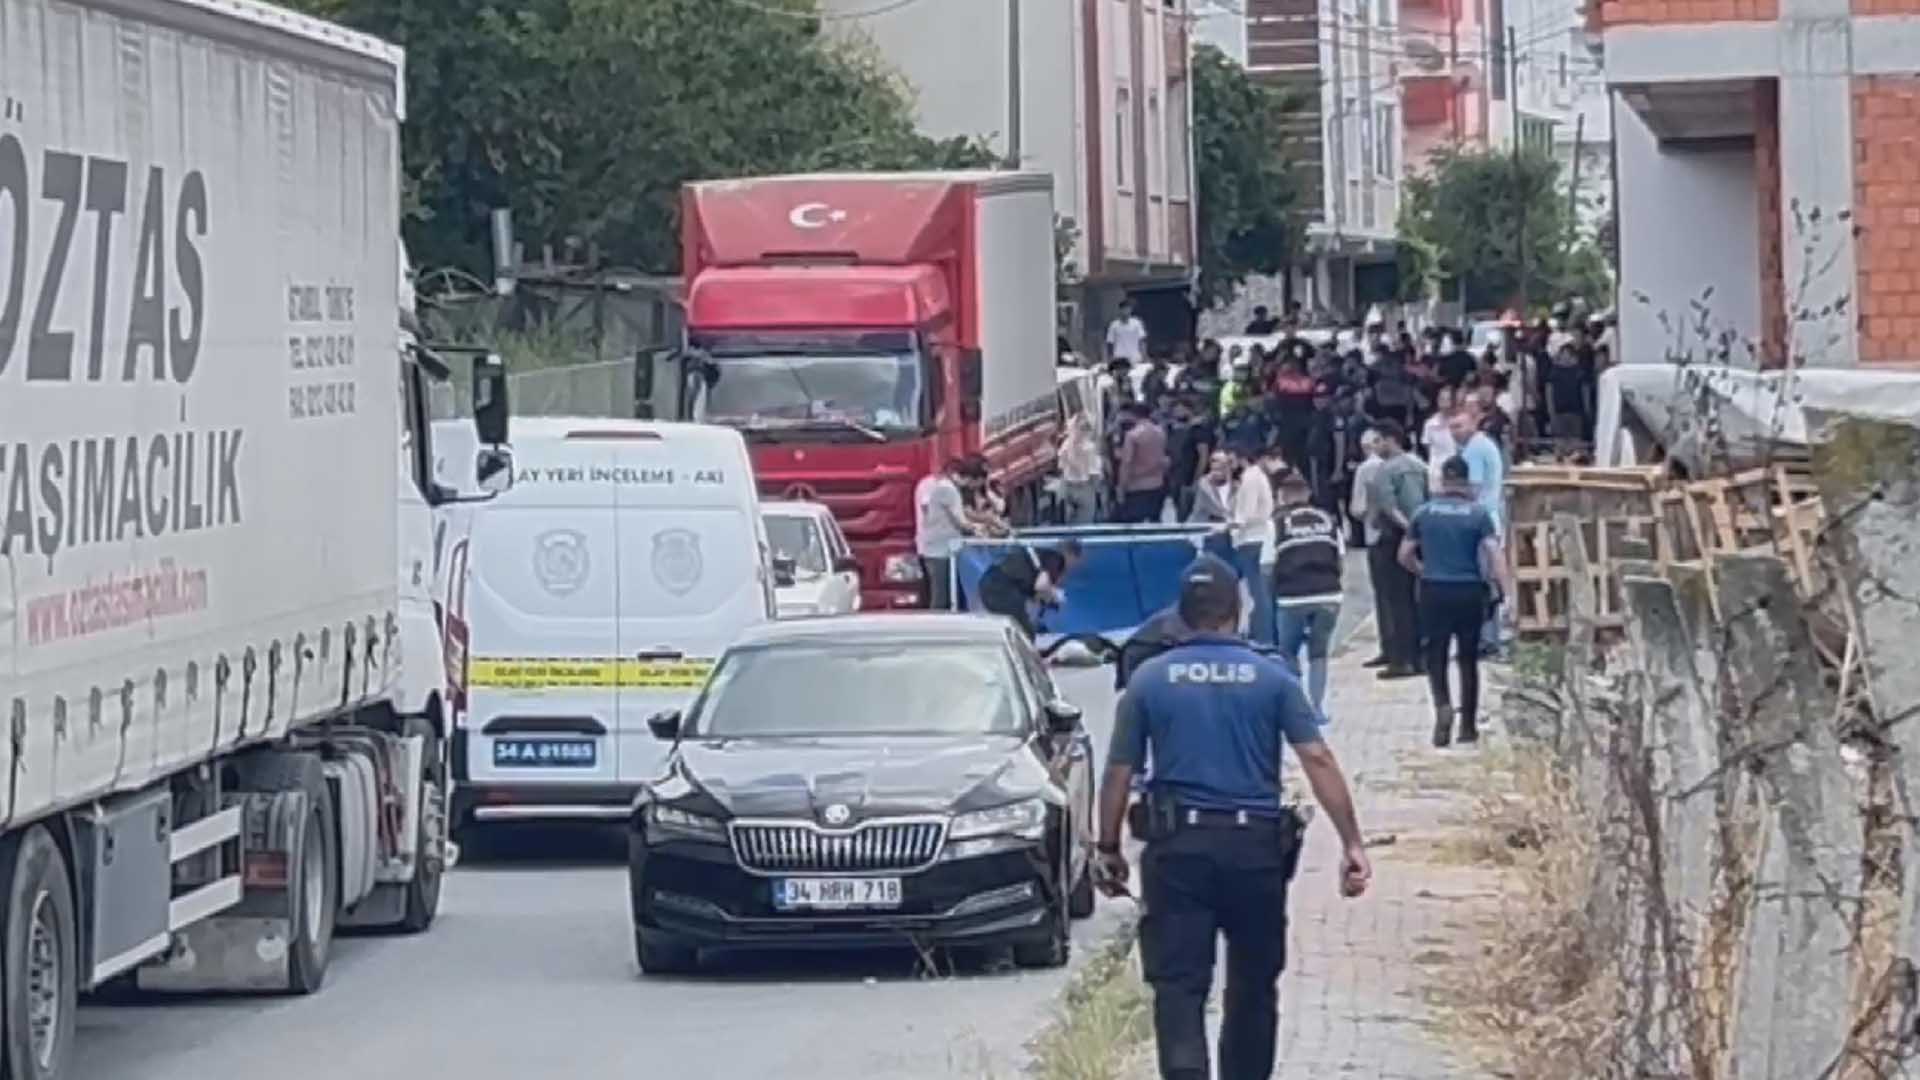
point(560, 561)
point(801, 493)
point(837, 814)
point(677, 564)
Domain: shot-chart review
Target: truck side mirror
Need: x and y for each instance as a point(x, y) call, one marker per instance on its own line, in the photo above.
point(971, 386)
point(783, 570)
point(493, 469)
point(490, 406)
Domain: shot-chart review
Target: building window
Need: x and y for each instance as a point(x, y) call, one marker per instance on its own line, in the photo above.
point(1383, 138)
point(1122, 142)
point(1154, 135)
point(1178, 155)
point(1563, 71)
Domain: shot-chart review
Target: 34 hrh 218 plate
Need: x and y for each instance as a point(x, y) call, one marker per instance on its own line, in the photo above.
point(836, 894)
point(545, 753)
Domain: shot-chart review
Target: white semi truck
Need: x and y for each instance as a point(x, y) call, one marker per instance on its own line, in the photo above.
point(220, 675)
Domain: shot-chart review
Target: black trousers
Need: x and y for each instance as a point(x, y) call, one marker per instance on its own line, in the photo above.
point(937, 587)
point(1003, 599)
point(1450, 615)
point(1197, 884)
point(1140, 507)
point(1393, 587)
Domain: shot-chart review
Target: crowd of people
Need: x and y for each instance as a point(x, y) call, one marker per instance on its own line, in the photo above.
point(1394, 442)
point(1532, 390)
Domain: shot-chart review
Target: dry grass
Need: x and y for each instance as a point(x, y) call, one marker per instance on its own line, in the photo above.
point(1104, 1017)
point(1540, 997)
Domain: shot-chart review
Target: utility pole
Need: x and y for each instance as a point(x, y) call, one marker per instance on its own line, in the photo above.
point(1519, 177)
point(1014, 89)
point(1573, 188)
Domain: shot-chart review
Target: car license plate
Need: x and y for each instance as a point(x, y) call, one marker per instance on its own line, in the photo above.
point(545, 753)
point(836, 894)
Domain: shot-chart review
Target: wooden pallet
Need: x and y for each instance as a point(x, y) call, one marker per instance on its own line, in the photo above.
point(1641, 514)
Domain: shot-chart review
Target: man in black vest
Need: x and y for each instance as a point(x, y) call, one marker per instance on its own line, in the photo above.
point(1309, 554)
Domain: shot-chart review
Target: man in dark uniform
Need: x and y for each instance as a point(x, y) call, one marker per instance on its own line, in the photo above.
point(1023, 576)
point(1221, 849)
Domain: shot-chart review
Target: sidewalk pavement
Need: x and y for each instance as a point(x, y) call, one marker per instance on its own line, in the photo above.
point(1354, 999)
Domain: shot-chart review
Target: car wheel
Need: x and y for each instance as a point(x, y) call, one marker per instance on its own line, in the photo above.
point(1056, 947)
point(664, 956)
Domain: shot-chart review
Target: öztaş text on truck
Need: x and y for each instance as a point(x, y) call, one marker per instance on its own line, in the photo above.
point(221, 682)
point(862, 331)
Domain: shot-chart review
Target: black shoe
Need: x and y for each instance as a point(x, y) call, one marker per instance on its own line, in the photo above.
point(1397, 671)
point(1378, 661)
point(1469, 730)
point(1443, 727)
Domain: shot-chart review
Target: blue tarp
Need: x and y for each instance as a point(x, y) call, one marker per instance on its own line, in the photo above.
point(1129, 573)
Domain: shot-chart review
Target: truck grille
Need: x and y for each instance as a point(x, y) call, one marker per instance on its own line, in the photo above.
point(805, 848)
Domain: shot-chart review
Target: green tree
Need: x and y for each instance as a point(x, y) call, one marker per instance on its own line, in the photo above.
point(585, 116)
point(1477, 220)
point(1246, 184)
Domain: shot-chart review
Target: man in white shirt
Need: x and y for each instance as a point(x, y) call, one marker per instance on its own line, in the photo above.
point(1126, 336)
point(1252, 531)
point(939, 524)
point(1360, 508)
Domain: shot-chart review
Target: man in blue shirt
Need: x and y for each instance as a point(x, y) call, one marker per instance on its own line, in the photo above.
point(1221, 849)
point(1487, 485)
point(1453, 547)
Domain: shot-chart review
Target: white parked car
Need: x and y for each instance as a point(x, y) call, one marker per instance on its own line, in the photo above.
point(815, 569)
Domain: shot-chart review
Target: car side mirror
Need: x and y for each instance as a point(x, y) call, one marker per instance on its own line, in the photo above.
point(1063, 717)
point(493, 469)
point(783, 570)
point(490, 406)
point(846, 564)
point(665, 725)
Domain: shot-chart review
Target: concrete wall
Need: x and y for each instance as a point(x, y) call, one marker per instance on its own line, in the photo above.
point(1687, 221)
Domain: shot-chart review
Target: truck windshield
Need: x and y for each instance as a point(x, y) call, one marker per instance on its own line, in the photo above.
point(871, 394)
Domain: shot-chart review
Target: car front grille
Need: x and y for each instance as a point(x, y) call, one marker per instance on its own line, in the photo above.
point(782, 848)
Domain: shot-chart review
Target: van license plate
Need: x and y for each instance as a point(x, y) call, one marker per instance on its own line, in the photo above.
point(545, 753)
point(836, 894)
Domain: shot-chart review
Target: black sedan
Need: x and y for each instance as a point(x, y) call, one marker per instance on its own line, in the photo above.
point(873, 780)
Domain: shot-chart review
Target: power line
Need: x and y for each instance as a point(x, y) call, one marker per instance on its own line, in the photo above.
point(822, 16)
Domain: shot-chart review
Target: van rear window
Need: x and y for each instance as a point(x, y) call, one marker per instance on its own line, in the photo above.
point(682, 562)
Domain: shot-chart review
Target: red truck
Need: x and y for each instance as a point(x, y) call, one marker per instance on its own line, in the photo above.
point(864, 330)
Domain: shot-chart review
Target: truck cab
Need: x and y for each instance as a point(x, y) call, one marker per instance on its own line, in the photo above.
point(862, 331)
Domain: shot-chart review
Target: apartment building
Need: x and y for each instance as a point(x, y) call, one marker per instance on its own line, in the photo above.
point(1447, 77)
point(1770, 150)
point(1338, 58)
point(1092, 91)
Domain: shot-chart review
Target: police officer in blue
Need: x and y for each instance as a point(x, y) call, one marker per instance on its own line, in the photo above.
point(1220, 847)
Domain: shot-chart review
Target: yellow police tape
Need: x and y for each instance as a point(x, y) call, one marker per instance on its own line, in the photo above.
point(584, 673)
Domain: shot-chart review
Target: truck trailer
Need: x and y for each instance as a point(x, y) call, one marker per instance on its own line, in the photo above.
point(864, 330)
point(220, 672)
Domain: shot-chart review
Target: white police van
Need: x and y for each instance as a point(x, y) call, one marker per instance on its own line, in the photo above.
point(595, 593)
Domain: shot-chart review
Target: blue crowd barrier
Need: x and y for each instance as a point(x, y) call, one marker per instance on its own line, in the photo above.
point(1128, 573)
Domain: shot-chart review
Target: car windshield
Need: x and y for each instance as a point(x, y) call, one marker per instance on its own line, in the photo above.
point(874, 391)
point(858, 688)
point(799, 539)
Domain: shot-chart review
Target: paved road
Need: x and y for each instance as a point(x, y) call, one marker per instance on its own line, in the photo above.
point(530, 973)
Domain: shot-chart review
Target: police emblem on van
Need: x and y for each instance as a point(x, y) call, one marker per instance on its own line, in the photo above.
point(677, 564)
point(560, 561)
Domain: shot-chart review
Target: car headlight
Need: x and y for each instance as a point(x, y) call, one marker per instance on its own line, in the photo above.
point(901, 569)
point(681, 825)
point(1027, 820)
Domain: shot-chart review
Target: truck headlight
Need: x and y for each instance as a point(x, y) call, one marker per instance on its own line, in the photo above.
point(681, 825)
point(902, 569)
point(1027, 820)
